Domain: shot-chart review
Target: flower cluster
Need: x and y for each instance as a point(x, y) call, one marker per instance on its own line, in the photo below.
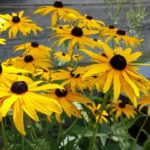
point(30, 83)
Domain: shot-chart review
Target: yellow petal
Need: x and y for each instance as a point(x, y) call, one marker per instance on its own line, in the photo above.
point(18, 117)
point(108, 81)
point(46, 87)
point(116, 85)
point(8, 103)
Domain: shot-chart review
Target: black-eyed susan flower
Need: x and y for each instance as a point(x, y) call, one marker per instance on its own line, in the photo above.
point(74, 36)
point(31, 62)
point(65, 57)
point(120, 108)
point(144, 102)
point(58, 12)
point(70, 78)
point(117, 69)
point(18, 22)
point(43, 74)
point(67, 100)
point(9, 73)
point(33, 48)
point(100, 115)
point(108, 29)
point(20, 96)
point(94, 82)
point(61, 56)
point(2, 41)
point(89, 22)
point(2, 21)
point(118, 35)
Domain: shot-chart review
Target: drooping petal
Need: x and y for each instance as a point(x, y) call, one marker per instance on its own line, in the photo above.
point(18, 117)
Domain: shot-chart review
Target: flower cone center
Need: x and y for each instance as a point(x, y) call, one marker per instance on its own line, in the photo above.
point(34, 44)
point(58, 4)
point(19, 87)
point(28, 58)
point(76, 31)
point(61, 93)
point(74, 75)
point(118, 62)
point(121, 32)
point(1, 69)
point(15, 19)
point(111, 27)
point(122, 105)
point(89, 17)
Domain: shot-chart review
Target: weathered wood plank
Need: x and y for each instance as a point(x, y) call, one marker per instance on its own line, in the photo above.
point(74, 2)
point(97, 11)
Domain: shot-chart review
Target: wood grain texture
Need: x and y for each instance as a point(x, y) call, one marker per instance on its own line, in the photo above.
point(70, 2)
point(96, 8)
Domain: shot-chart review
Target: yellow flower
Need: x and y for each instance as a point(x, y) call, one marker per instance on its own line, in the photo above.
point(120, 108)
point(31, 62)
point(2, 21)
point(119, 35)
point(20, 96)
point(34, 48)
point(94, 82)
point(111, 29)
point(8, 73)
point(18, 22)
point(44, 74)
point(70, 78)
point(144, 102)
point(67, 98)
point(117, 68)
point(100, 115)
point(58, 12)
point(65, 57)
point(90, 23)
point(77, 57)
point(75, 35)
point(2, 41)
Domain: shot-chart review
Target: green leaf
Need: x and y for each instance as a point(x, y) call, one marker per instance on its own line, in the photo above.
point(113, 146)
point(146, 145)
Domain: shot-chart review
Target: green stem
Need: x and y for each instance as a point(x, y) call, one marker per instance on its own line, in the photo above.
point(59, 133)
point(4, 134)
point(23, 148)
point(93, 138)
point(33, 133)
point(136, 139)
point(71, 126)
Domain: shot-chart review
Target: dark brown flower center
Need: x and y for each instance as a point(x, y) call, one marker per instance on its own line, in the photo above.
point(95, 39)
point(111, 27)
point(76, 56)
point(34, 44)
point(74, 75)
point(1, 69)
point(121, 32)
point(58, 4)
point(122, 105)
point(76, 31)
point(15, 19)
point(63, 54)
point(94, 76)
point(103, 54)
point(89, 17)
point(96, 111)
point(61, 93)
point(60, 27)
point(28, 58)
point(19, 87)
point(118, 62)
